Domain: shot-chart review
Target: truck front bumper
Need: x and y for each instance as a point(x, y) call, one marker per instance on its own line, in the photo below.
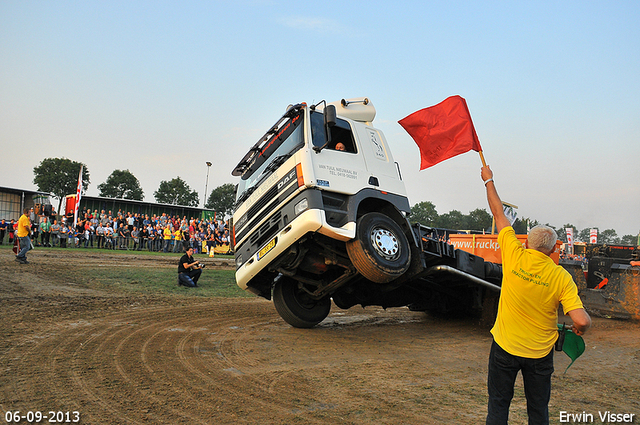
point(252, 258)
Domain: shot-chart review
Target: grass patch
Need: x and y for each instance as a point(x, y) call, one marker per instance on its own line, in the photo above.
point(144, 252)
point(161, 280)
point(212, 283)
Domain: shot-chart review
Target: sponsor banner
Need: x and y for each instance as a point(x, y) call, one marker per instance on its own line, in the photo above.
point(593, 236)
point(486, 246)
point(569, 231)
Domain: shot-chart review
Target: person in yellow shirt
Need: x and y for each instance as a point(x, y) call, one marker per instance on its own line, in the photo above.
point(24, 230)
point(177, 240)
point(167, 233)
point(525, 331)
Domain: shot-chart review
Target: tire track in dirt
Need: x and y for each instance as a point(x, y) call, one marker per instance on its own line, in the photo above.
point(237, 362)
point(179, 364)
point(153, 357)
point(122, 358)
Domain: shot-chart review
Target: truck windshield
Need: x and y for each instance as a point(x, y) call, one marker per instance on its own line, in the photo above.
point(286, 140)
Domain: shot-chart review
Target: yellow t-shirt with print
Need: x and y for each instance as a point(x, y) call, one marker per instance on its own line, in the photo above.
point(24, 226)
point(532, 288)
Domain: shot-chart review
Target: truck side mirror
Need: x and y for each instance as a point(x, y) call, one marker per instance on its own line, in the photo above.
point(329, 121)
point(330, 116)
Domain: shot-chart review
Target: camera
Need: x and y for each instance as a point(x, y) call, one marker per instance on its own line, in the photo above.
point(202, 266)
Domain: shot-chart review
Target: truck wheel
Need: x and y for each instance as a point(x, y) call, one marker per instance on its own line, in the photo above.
point(380, 250)
point(296, 307)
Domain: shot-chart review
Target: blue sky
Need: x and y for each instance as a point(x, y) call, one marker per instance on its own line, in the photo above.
point(159, 88)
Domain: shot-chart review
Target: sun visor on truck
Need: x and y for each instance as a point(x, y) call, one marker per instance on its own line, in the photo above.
point(360, 109)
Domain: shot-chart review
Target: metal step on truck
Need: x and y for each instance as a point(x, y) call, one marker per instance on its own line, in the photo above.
point(321, 214)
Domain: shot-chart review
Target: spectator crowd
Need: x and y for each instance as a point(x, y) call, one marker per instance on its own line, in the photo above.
point(566, 256)
point(127, 231)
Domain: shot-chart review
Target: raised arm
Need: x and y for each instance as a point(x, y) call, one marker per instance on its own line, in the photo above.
point(495, 204)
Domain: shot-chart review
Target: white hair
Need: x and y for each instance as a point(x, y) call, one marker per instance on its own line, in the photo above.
point(542, 238)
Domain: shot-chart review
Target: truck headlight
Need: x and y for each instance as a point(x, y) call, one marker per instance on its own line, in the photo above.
point(301, 206)
point(238, 261)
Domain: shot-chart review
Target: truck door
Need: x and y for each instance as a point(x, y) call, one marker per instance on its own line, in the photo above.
point(340, 167)
point(383, 173)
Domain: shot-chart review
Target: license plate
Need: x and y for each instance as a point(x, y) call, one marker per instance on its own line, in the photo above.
point(265, 249)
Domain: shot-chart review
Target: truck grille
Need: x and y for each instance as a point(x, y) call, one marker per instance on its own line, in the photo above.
point(266, 231)
point(262, 201)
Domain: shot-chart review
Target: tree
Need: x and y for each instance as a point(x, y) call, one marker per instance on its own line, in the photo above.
point(176, 192)
point(522, 225)
point(562, 233)
point(222, 199)
point(454, 220)
point(608, 236)
point(123, 185)
point(424, 213)
point(585, 235)
point(59, 176)
point(629, 240)
point(479, 219)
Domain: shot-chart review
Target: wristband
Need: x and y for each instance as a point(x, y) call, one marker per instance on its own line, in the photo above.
point(487, 181)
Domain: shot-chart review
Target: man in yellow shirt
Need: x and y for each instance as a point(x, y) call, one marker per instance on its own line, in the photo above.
point(525, 330)
point(167, 233)
point(24, 230)
point(177, 241)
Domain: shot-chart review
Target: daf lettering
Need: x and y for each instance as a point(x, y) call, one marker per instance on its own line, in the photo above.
point(286, 180)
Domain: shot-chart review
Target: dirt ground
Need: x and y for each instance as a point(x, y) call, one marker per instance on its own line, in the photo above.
point(121, 358)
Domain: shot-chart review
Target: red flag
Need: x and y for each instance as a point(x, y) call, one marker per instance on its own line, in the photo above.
point(442, 131)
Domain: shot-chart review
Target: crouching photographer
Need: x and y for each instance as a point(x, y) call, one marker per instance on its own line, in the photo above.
point(189, 270)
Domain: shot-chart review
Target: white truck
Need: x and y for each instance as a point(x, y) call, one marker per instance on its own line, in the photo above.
point(321, 214)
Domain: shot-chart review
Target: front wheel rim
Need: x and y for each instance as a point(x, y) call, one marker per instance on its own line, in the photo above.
point(385, 243)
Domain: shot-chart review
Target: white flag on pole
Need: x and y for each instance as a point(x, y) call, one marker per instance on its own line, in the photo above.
point(78, 195)
point(569, 231)
point(511, 213)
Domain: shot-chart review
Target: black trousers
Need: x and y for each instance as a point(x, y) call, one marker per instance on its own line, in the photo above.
point(536, 374)
point(190, 278)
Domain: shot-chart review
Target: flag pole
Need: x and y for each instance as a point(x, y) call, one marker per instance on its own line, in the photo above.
point(493, 220)
point(484, 164)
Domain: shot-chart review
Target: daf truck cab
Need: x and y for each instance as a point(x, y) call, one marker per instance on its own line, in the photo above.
point(321, 214)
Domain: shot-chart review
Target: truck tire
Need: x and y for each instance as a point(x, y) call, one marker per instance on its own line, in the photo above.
point(380, 250)
point(296, 307)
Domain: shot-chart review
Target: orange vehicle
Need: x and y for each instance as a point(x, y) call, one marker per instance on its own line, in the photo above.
point(486, 246)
